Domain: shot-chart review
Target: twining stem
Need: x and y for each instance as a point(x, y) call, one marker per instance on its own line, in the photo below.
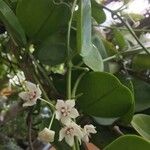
point(50, 104)
point(76, 84)
point(125, 53)
point(122, 28)
point(69, 63)
point(51, 122)
point(69, 72)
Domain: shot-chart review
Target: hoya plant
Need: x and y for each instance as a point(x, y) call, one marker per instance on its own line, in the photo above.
point(68, 82)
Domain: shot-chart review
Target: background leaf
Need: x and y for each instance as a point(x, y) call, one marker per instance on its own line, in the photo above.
point(94, 60)
point(12, 24)
point(141, 124)
point(97, 12)
point(142, 98)
point(41, 18)
point(128, 142)
point(53, 50)
point(141, 62)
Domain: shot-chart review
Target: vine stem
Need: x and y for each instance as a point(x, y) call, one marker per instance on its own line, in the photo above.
point(50, 104)
point(69, 63)
point(128, 27)
point(51, 122)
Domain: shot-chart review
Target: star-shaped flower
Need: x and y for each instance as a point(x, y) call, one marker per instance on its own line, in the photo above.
point(31, 94)
point(87, 130)
point(65, 111)
point(46, 135)
point(69, 132)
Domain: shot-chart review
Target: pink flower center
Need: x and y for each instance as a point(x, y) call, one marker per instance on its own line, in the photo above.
point(65, 111)
point(32, 95)
point(69, 131)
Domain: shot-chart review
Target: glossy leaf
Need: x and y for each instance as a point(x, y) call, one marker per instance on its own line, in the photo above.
point(129, 142)
point(41, 18)
point(94, 60)
point(127, 118)
point(141, 62)
point(84, 28)
point(97, 41)
point(97, 12)
point(142, 94)
point(12, 24)
point(141, 124)
point(52, 51)
point(102, 100)
point(105, 121)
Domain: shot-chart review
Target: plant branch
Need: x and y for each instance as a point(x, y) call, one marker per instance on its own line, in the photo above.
point(128, 27)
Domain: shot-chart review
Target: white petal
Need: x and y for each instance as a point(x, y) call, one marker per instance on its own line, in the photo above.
point(70, 103)
point(30, 86)
point(74, 113)
point(38, 92)
point(60, 104)
point(46, 135)
point(58, 115)
point(65, 120)
point(69, 140)
point(90, 129)
point(61, 134)
point(78, 130)
point(29, 103)
point(86, 139)
point(24, 95)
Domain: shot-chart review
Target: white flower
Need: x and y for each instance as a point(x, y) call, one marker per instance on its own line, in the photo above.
point(31, 94)
point(86, 132)
point(46, 135)
point(69, 132)
point(65, 111)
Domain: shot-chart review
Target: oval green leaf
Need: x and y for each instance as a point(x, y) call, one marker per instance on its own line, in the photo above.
point(52, 51)
point(142, 94)
point(141, 124)
point(129, 142)
point(104, 95)
point(41, 18)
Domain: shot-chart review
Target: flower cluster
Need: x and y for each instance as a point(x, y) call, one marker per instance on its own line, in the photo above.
point(65, 112)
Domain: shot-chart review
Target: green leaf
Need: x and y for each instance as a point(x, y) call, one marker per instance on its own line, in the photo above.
point(127, 118)
point(84, 28)
point(129, 142)
point(12, 24)
point(42, 18)
point(97, 41)
point(119, 39)
point(97, 12)
point(94, 60)
point(105, 121)
point(142, 94)
point(110, 48)
point(52, 51)
point(104, 95)
point(141, 124)
point(141, 62)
